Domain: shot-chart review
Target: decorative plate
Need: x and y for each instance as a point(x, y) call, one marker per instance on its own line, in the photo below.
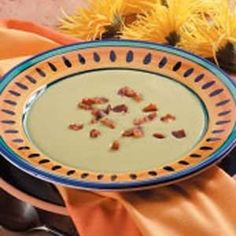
point(116, 115)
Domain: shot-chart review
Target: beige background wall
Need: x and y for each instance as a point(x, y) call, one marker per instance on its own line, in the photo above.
point(45, 12)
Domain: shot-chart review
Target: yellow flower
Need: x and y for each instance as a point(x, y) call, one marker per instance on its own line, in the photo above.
point(90, 23)
point(163, 23)
point(102, 19)
point(137, 6)
point(212, 35)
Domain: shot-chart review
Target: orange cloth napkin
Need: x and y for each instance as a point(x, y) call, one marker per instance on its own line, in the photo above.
point(204, 205)
point(201, 206)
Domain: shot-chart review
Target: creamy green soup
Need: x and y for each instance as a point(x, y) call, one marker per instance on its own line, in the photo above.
point(47, 122)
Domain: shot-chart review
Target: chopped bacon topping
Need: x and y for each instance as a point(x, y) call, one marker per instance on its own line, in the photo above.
point(150, 107)
point(138, 97)
point(129, 92)
point(145, 119)
point(94, 133)
point(159, 135)
point(120, 108)
point(138, 132)
point(126, 91)
point(152, 116)
point(84, 106)
point(76, 127)
point(98, 113)
point(168, 118)
point(133, 132)
point(100, 100)
point(179, 133)
point(87, 103)
point(93, 121)
point(101, 113)
point(140, 120)
point(115, 145)
point(128, 133)
point(108, 109)
point(108, 123)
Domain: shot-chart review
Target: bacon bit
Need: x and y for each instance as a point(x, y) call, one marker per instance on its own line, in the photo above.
point(100, 100)
point(128, 133)
point(84, 106)
point(145, 119)
point(133, 132)
point(115, 145)
point(76, 127)
point(120, 108)
point(138, 97)
point(108, 123)
point(93, 121)
point(168, 118)
point(108, 109)
point(87, 103)
point(94, 133)
point(128, 92)
point(152, 116)
point(150, 107)
point(158, 135)
point(179, 133)
point(95, 100)
point(98, 113)
point(138, 132)
point(139, 121)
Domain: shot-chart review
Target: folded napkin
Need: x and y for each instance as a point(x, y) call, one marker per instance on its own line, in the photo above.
point(201, 205)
